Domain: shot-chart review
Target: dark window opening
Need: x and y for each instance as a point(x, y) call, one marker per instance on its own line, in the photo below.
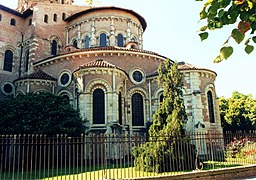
point(62, 1)
point(65, 98)
point(8, 59)
point(54, 47)
point(75, 43)
point(8, 88)
point(27, 61)
point(103, 40)
point(137, 110)
point(13, 22)
point(64, 79)
point(210, 107)
point(161, 99)
point(137, 76)
point(55, 17)
point(86, 42)
point(0, 17)
point(63, 16)
point(120, 108)
point(46, 18)
point(98, 107)
point(30, 22)
point(120, 40)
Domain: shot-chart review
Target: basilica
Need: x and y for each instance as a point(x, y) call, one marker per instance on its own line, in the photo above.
point(94, 57)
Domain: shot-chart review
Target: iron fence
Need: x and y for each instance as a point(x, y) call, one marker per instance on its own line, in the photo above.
point(102, 156)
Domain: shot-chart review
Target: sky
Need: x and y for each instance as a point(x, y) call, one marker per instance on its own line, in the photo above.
point(172, 31)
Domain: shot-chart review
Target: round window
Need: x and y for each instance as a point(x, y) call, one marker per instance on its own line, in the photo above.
point(137, 76)
point(7, 88)
point(64, 79)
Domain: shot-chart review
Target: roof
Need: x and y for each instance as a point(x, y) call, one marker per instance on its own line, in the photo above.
point(183, 66)
point(186, 66)
point(106, 48)
point(16, 13)
point(39, 74)
point(98, 63)
point(141, 19)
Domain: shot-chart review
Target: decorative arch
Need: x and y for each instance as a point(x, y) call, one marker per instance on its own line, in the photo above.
point(98, 105)
point(98, 83)
point(56, 44)
point(67, 94)
point(41, 90)
point(20, 92)
point(157, 93)
point(142, 91)
point(211, 104)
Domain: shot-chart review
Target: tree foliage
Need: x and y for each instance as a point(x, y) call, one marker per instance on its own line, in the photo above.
point(169, 119)
point(42, 113)
point(238, 112)
point(240, 13)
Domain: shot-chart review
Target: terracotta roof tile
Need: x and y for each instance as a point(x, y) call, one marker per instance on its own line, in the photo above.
point(37, 75)
point(98, 63)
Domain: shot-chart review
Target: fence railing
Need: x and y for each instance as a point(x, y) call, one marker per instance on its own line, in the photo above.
point(104, 156)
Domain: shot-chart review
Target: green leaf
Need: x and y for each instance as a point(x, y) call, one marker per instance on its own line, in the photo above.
point(225, 52)
point(247, 41)
point(254, 39)
point(203, 35)
point(221, 12)
point(203, 28)
point(218, 59)
point(203, 14)
point(248, 49)
point(238, 35)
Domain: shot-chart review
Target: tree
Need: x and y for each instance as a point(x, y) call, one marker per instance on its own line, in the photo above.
point(240, 13)
point(42, 113)
point(238, 112)
point(168, 121)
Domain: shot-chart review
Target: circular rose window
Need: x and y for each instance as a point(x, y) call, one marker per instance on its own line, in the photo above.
point(7, 88)
point(64, 79)
point(137, 76)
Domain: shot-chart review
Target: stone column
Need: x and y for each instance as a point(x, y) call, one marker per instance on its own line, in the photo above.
point(128, 31)
point(93, 37)
point(79, 40)
point(112, 39)
point(67, 36)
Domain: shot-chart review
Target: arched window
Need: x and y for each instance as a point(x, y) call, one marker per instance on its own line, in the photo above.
point(137, 110)
point(27, 61)
point(30, 22)
point(8, 59)
point(103, 40)
point(98, 107)
point(46, 18)
point(120, 108)
point(55, 17)
point(62, 1)
point(161, 99)
point(54, 47)
point(0, 17)
point(120, 40)
point(13, 22)
point(210, 106)
point(75, 43)
point(63, 16)
point(86, 42)
point(134, 39)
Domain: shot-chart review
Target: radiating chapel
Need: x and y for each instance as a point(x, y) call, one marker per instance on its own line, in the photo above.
point(94, 57)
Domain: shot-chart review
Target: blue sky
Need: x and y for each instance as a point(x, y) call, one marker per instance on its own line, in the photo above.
point(172, 32)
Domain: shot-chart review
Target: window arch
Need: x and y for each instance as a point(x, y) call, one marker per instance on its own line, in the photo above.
point(26, 61)
point(120, 40)
point(63, 16)
point(103, 40)
point(86, 41)
point(98, 107)
point(54, 47)
point(120, 112)
point(8, 60)
point(75, 43)
point(46, 18)
point(137, 110)
point(55, 17)
point(210, 107)
point(13, 22)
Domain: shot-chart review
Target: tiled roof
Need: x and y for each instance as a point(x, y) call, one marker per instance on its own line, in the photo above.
point(106, 48)
point(183, 66)
point(37, 75)
point(141, 19)
point(98, 63)
point(16, 13)
point(186, 66)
